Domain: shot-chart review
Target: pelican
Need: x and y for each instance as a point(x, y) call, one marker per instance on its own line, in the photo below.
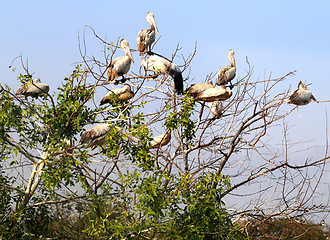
point(120, 65)
point(95, 136)
point(216, 108)
point(198, 88)
point(301, 96)
point(146, 37)
point(162, 66)
point(33, 88)
point(214, 94)
point(227, 73)
point(124, 94)
point(160, 140)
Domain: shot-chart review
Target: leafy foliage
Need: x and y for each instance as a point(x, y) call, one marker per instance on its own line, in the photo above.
point(181, 121)
point(70, 113)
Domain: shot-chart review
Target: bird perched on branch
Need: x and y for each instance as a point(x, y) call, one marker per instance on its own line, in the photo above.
point(34, 88)
point(214, 94)
point(120, 65)
point(162, 66)
point(123, 94)
point(95, 136)
point(146, 37)
point(198, 88)
point(301, 96)
point(227, 73)
point(160, 140)
point(216, 108)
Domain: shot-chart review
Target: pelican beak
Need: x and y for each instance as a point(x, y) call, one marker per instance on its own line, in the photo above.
point(128, 52)
point(130, 55)
point(232, 60)
point(154, 24)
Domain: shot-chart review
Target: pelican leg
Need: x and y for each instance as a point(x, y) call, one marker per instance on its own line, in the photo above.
point(123, 79)
point(103, 150)
point(231, 86)
point(154, 76)
point(150, 53)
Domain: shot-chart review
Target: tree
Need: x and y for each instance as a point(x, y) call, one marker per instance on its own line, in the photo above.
point(50, 181)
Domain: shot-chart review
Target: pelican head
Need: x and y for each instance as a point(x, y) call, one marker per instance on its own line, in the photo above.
point(127, 88)
point(151, 20)
point(231, 57)
point(301, 85)
point(125, 46)
point(37, 80)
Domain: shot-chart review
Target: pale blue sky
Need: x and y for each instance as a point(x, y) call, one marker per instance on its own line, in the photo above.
point(277, 36)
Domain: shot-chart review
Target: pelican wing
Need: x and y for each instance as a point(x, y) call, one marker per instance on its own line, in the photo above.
point(112, 71)
point(175, 72)
point(101, 129)
point(156, 64)
point(215, 108)
point(86, 136)
point(123, 65)
point(123, 97)
point(301, 97)
point(160, 140)
point(198, 88)
point(141, 41)
point(144, 40)
point(118, 67)
point(99, 141)
point(99, 134)
point(22, 89)
point(214, 94)
point(126, 96)
point(231, 73)
point(225, 74)
point(33, 89)
point(94, 134)
point(119, 92)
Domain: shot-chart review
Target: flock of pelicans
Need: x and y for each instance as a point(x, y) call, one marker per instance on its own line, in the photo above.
point(120, 66)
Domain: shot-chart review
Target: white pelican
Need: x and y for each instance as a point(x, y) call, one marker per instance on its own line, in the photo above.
point(33, 88)
point(216, 108)
point(120, 65)
point(146, 37)
point(160, 140)
point(214, 94)
point(124, 94)
point(227, 73)
point(162, 66)
point(301, 96)
point(95, 136)
point(198, 88)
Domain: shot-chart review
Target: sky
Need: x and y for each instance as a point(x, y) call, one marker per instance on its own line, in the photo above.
point(276, 36)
